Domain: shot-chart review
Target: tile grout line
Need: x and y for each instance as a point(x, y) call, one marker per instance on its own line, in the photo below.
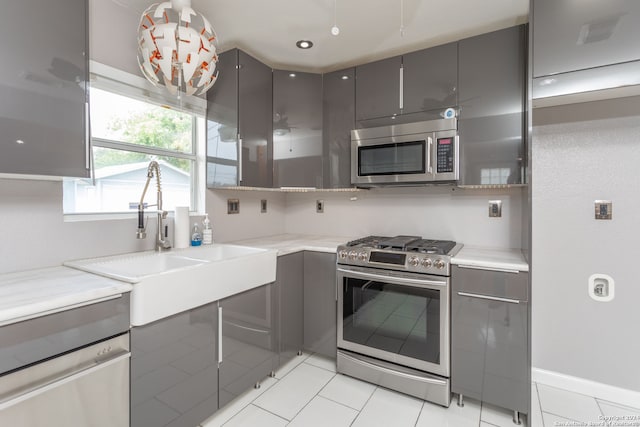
point(364, 406)
point(250, 403)
point(314, 396)
point(339, 403)
point(419, 413)
point(535, 385)
point(272, 413)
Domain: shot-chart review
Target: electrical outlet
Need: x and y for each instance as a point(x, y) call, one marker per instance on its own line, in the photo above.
point(320, 206)
point(603, 209)
point(495, 208)
point(233, 206)
point(263, 206)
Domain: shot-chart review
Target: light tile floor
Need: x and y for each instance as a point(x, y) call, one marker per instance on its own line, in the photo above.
point(307, 392)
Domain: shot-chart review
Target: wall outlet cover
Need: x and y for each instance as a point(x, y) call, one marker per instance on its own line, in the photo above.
point(233, 206)
point(495, 208)
point(263, 206)
point(319, 206)
point(603, 209)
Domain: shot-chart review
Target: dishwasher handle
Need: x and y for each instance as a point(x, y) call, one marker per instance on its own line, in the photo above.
point(50, 384)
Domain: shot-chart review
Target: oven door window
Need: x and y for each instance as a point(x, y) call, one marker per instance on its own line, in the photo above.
point(403, 320)
point(392, 159)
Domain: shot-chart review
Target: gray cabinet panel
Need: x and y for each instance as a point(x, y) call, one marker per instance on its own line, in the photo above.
point(378, 89)
point(43, 89)
point(249, 340)
point(570, 36)
point(338, 116)
point(491, 96)
point(174, 371)
point(239, 123)
point(297, 129)
point(320, 303)
point(290, 279)
point(431, 79)
point(489, 339)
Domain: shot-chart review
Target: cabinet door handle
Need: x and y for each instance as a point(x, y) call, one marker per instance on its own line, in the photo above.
point(87, 138)
point(500, 270)
point(401, 88)
point(470, 295)
point(219, 334)
point(239, 160)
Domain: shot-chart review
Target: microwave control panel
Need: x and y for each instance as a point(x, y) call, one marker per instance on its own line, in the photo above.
point(445, 155)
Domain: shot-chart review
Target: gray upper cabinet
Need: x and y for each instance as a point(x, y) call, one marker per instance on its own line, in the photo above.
point(490, 351)
point(320, 317)
point(289, 280)
point(491, 81)
point(338, 116)
point(43, 91)
point(378, 89)
point(430, 80)
point(570, 36)
point(297, 129)
point(239, 133)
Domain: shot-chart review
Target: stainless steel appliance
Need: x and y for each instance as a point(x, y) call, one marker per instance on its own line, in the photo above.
point(407, 153)
point(393, 313)
point(67, 369)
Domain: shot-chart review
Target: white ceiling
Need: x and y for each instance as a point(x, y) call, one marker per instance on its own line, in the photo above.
point(369, 29)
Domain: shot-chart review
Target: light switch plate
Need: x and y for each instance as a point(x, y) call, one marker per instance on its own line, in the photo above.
point(233, 206)
point(603, 209)
point(495, 208)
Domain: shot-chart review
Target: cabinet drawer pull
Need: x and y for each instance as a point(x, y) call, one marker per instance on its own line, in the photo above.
point(470, 295)
point(501, 270)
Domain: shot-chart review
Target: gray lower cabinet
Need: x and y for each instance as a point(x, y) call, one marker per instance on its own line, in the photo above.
point(320, 303)
point(249, 340)
point(239, 137)
point(177, 379)
point(491, 124)
point(289, 281)
point(44, 88)
point(297, 129)
point(490, 351)
point(174, 369)
point(338, 119)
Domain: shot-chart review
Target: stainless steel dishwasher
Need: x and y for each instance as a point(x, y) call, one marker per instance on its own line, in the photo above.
point(67, 369)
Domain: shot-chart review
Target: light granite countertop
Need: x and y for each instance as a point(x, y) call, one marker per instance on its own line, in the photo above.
point(290, 243)
point(505, 259)
point(32, 293)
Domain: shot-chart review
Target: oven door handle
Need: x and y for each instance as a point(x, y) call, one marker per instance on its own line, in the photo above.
point(395, 280)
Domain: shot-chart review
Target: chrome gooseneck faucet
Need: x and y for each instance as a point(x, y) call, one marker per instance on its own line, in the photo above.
point(162, 242)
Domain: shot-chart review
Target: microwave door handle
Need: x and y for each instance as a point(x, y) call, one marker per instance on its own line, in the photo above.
point(429, 149)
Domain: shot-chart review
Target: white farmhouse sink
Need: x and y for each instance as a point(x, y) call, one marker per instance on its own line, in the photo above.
point(171, 282)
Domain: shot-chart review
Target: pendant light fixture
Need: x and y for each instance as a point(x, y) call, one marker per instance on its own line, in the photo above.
point(176, 48)
point(335, 30)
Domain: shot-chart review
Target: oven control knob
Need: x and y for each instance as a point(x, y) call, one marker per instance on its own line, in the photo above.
point(440, 264)
point(353, 255)
point(362, 256)
point(426, 262)
point(344, 254)
point(413, 261)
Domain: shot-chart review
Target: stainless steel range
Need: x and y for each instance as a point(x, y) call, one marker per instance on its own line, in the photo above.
point(393, 313)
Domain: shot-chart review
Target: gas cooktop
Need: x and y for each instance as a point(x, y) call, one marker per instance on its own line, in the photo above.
point(408, 253)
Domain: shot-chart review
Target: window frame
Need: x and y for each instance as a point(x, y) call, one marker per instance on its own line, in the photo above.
point(119, 82)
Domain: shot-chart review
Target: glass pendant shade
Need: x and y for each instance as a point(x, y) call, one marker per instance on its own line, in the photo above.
point(176, 48)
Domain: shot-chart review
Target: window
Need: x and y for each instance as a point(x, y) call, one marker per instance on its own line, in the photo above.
point(130, 127)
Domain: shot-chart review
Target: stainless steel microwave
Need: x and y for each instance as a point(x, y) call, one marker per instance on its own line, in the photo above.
point(407, 153)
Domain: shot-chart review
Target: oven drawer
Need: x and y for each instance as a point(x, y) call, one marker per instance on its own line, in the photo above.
point(481, 283)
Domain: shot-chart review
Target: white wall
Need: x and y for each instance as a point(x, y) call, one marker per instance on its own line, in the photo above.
point(431, 212)
point(35, 235)
point(583, 153)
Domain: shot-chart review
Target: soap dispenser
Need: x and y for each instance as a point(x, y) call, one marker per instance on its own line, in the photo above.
point(196, 237)
point(207, 232)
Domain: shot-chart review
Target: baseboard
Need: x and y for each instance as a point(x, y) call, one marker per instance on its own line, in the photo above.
point(583, 386)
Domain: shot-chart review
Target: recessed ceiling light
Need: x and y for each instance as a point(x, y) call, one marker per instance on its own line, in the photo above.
point(304, 44)
point(19, 141)
point(345, 77)
point(292, 75)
